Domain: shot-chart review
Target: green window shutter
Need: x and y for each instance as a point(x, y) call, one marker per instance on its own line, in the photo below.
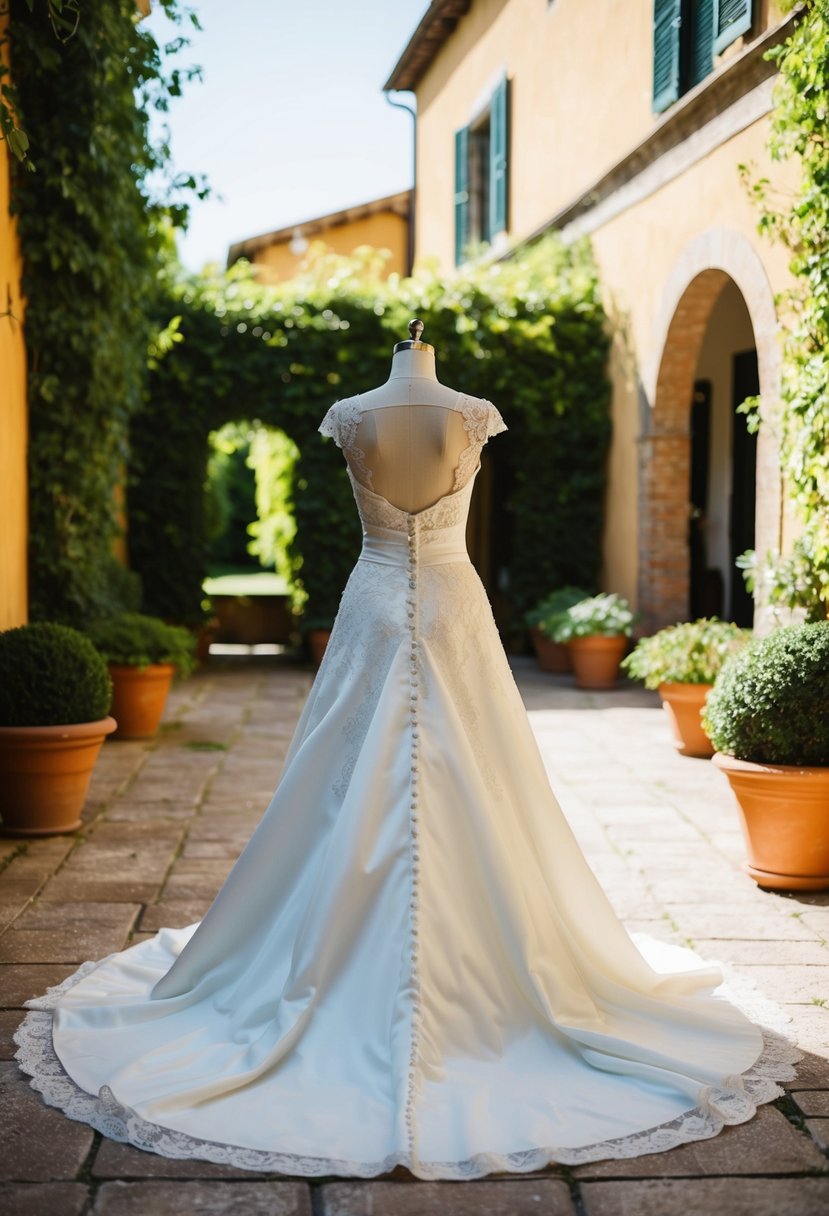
point(499, 159)
point(667, 17)
point(701, 57)
point(731, 18)
point(461, 193)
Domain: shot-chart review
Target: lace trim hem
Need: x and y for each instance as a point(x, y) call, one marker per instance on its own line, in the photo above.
point(735, 1101)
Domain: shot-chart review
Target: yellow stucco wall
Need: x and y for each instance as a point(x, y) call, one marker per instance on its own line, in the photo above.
point(13, 420)
point(385, 230)
point(580, 74)
point(636, 253)
point(580, 102)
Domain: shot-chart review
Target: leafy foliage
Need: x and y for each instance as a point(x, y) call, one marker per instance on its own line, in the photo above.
point(793, 583)
point(547, 612)
point(689, 653)
point(801, 222)
point(770, 702)
point(606, 615)
point(136, 640)
point(528, 334)
point(51, 675)
point(92, 232)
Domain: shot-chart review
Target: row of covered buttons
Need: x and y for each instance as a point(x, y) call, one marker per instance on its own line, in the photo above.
point(411, 615)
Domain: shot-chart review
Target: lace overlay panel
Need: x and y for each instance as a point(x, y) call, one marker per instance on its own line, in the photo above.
point(735, 1101)
point(340, 424)
point(481, 420)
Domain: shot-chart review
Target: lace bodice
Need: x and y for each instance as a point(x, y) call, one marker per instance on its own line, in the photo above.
point(481, 420)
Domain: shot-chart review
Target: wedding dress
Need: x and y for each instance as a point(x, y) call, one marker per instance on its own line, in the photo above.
point(411, 963)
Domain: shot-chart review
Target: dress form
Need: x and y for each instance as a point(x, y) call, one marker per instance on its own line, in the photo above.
point(411, 432)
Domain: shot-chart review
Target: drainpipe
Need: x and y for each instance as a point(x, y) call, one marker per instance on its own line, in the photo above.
point(410, 250)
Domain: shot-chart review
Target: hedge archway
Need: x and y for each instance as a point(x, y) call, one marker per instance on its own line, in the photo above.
point(529, 334)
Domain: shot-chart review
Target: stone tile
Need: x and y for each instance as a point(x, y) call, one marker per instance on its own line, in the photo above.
point(511, 1197)
point(10, 1019)
point(767, 1144)
point(75, 942)
point(39, 1143)
point(124, 810)
point(173, 914)
point(158, 794)
point(203, 1199)
point(788, 985)
point(813, 1102)
point(819, 1129)
point(46, 914)
point(189, 888)
point(710, 922)
point(67, 888)
point(763, 953)
point(22, 982)
point(220, 849)
point(812, 1072)
point(16, 890)
point(42, 1199)
point(707, 1196)
point(810, 1026)
point(114, 1160)
point(690, 888)
point(10, 912)
point(42, 857)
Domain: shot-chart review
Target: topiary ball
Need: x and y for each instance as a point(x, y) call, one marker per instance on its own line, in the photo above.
point(770, 702)
point(51, 675)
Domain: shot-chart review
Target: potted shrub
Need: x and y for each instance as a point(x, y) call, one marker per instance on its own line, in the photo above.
point(542, 620)
point(681, 663)
point(768, 717)
point(596, 631)
point(143, 653)
point(55, 694)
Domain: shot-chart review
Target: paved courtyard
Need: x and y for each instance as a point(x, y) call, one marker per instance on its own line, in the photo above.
point(166, 820)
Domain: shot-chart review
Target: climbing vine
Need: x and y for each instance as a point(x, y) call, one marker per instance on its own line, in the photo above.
point(529, 334)
point(801, 223)
point(92, 233)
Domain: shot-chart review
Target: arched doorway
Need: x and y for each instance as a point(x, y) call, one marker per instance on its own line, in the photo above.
point(707, 489)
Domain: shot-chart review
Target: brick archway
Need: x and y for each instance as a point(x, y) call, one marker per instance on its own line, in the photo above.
point(699, 276)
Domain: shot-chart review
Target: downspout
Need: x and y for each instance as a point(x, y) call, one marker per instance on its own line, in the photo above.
point(410, 248)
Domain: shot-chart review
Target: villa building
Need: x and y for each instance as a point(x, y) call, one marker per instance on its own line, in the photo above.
point(627, 121)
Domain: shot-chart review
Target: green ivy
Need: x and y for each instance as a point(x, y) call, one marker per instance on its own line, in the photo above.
point(529, 334)
point(801, 222)
point(92, 233)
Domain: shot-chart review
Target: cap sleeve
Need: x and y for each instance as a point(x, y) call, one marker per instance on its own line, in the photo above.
point(330, 425)
point(495, 423)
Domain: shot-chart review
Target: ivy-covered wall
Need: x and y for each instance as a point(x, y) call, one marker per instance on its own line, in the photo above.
point(529, 334)
point(91, 237)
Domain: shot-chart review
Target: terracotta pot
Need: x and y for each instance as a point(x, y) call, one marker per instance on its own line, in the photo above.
point(139, 695)
point(596, 659)
point(45, 773)
point(683, 703)
point(317, 643)
point(551, 656)
point(785, 817)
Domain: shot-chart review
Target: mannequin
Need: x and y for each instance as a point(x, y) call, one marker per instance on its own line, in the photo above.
point(411, 432)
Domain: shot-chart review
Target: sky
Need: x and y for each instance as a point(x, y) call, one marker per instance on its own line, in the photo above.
point(289, 121)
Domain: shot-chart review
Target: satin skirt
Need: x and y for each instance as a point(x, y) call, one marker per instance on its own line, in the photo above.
point(411, 963)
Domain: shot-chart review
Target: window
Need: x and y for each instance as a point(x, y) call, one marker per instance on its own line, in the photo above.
point(481, 174)
point(687, 34)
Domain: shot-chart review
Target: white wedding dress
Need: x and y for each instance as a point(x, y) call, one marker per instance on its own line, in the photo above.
point(411, 963)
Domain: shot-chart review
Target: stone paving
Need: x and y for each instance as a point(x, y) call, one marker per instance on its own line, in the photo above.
point(163, 825)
